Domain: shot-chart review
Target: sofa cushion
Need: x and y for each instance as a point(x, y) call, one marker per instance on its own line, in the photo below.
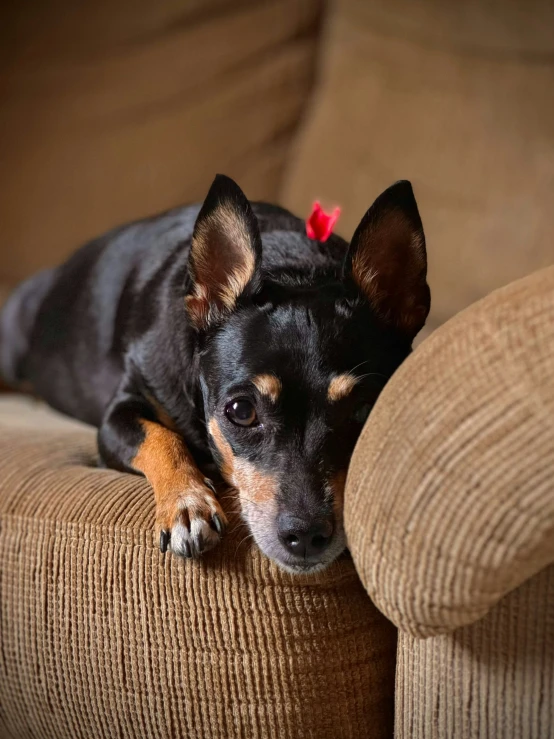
point(113, 111)
point(449, 502)
point(101, 635)
point(456, 97)
point(490, 679)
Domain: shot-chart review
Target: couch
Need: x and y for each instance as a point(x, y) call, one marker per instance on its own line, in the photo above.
point(439, 622)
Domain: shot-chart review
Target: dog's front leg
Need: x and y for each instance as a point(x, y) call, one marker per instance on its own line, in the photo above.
point(189, 519)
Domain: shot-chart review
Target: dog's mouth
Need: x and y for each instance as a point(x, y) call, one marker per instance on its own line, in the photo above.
point(308, 566)
point(304, 567)
point(299, 569)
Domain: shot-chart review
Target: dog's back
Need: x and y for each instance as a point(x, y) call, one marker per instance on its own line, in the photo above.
point(76, 316)
point(17, 319)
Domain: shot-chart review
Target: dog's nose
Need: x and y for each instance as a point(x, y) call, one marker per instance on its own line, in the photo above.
point(304, 538)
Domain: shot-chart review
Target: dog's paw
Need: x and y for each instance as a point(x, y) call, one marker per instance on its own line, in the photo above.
point(192, 522)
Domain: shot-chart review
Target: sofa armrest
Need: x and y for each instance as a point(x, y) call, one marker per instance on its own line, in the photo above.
point(450, 495)
point(102, 635)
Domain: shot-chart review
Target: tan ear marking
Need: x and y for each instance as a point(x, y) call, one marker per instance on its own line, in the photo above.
point(340, 386)
point(223, 263)
point(226, 226)
point(268, 385)
point(389, 266)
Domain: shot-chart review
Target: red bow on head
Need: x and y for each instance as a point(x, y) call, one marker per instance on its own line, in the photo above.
point(320, 224)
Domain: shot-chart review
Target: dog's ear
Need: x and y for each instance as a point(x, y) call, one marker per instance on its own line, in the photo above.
point(388, 261)
point(225, 255)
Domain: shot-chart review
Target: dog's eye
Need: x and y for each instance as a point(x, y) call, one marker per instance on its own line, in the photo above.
point(241, 412)
point(362, 412)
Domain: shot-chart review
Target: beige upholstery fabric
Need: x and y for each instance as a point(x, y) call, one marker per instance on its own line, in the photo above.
point(491, 680)
point(457, 97)
point(101, 636)
point(450, 495)
point(117, 109)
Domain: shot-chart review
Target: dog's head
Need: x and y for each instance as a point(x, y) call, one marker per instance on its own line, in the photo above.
point(292, 361)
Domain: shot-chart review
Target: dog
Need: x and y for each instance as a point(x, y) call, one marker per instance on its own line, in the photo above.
point(222, 333)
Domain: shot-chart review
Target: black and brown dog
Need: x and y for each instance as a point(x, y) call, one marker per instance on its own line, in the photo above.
point(224, 333)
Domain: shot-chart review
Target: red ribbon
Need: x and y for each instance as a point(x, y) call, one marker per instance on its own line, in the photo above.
point(320, 224)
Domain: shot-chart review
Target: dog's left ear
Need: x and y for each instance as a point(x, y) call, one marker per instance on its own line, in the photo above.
point(388, 261)
point(225, 256)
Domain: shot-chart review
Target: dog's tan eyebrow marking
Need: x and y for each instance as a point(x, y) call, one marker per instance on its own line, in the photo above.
point(269, 385)
point(217, 286)
point(340, 386)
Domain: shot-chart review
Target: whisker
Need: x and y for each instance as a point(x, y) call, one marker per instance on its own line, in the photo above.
point(237, 497)
point(366, 361)
point(371, 374)
point(237, 529)
point(249, 536)
point(239, 525)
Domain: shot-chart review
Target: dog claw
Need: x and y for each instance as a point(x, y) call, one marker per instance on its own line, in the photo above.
point(199, 543)
point(210, 485)
point(218, 524)
point(165, 537)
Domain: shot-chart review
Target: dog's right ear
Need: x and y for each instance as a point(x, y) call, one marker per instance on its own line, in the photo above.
point(226, 253)
point(388, 260)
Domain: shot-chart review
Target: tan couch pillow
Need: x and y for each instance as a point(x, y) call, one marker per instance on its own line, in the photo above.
point(450, 495)
point(456, 97)
point(115, 110)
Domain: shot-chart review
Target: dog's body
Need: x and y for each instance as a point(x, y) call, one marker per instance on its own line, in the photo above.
point(118, 302)
point(224, 332)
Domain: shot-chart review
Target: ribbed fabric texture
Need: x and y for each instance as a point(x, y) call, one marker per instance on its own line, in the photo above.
point(101, 636)
point(491, 680)
point(450, 494)
point(450, 519)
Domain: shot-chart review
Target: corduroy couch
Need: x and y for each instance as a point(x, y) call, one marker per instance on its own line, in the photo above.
point(450, 521)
